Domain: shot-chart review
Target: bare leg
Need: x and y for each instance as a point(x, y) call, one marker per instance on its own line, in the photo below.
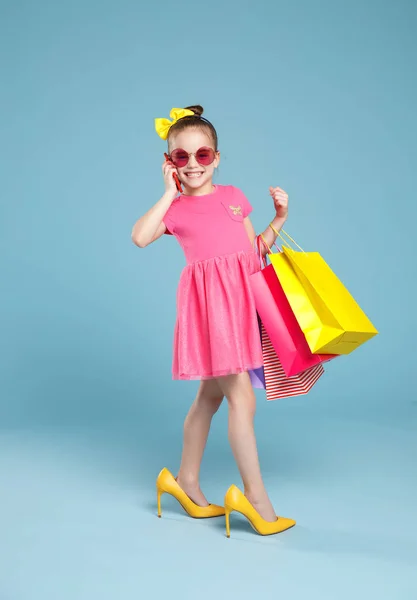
point(196, 430)
point(242, 405)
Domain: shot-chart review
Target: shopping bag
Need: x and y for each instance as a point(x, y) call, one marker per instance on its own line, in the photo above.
point(281, 325)
point(257, 378)
point(277, 384)
point(330, 318)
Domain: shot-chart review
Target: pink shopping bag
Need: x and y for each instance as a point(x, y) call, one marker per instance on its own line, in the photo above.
point(283, 329)
point(277, 384)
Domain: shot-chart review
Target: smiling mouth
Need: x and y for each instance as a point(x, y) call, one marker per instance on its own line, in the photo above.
point(194, 174)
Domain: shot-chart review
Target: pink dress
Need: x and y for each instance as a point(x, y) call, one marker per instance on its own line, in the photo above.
point(216, 331)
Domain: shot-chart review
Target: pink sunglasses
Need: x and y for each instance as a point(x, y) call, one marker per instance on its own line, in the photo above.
point(204, 156)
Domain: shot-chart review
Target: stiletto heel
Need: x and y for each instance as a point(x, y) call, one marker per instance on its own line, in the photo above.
point(235, 500)
point(228, 510)
point(167, 484)
point(158, 497)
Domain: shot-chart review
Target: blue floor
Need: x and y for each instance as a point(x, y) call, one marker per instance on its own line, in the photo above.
point(78, 518)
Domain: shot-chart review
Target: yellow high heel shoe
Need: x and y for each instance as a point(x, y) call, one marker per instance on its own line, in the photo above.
point(166, 484)
point(236, 501)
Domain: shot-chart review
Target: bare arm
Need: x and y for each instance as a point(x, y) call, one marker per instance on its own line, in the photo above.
point(150, 227)
point(268, 234)
point(280, 198)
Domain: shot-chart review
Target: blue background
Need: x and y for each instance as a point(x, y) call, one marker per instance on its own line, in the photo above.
point(316, 97)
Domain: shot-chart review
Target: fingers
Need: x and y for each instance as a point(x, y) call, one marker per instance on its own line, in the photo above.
point(279, 195)
point(273, 190)
point(168, 167)
point(168, 171)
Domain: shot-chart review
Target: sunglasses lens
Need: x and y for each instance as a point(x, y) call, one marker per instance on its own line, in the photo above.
point(179, 157)
point(205, 156)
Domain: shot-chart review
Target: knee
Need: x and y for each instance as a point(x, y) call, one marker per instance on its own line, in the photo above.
point(209, 402)
point(243, 403)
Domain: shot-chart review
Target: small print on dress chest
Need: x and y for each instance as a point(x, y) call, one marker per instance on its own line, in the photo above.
point(237, 210)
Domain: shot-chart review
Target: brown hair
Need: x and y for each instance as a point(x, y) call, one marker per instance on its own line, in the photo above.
point(196, 121)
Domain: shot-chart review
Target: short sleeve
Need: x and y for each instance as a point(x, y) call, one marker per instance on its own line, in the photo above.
point(169, 220)
point(241, 200)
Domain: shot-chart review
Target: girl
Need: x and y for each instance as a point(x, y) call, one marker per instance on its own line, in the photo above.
point(216, 336)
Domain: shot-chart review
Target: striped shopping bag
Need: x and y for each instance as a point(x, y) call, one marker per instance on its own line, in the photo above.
point(277, 384)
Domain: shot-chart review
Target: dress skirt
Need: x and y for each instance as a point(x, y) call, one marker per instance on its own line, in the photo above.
point(217, 329)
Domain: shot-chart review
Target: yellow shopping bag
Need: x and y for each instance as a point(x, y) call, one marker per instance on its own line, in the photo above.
point(328, 315)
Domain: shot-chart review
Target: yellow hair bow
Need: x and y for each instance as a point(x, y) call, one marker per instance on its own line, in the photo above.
point(163, 126)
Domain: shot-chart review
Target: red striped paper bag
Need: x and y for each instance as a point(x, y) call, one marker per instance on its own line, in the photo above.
point(277, 384)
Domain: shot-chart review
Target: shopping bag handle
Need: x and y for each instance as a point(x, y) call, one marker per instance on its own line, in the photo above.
point(262, 257)
point(290, 238)
point(284, 241)
point(260, 238)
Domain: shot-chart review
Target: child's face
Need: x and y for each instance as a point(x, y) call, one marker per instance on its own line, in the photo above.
point(194, 175)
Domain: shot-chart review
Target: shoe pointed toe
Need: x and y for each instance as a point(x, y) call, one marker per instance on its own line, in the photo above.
point(284, 523)
point(217, 511)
